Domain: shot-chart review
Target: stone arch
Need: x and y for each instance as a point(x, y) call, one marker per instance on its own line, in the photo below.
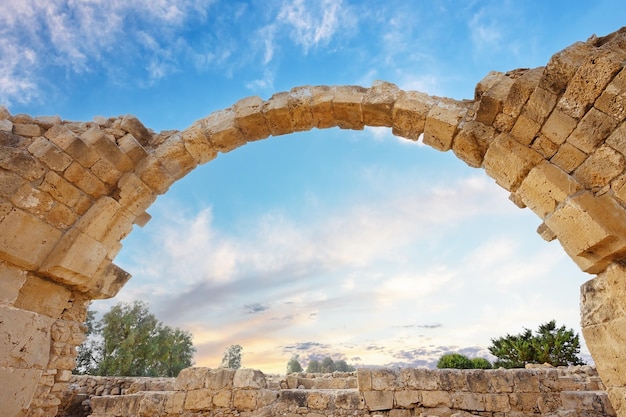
point(553, 136)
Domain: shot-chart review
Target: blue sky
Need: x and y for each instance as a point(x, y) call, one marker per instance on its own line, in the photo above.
point(355, 244)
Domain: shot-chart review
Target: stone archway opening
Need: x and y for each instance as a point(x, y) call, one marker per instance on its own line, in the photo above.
point(552, 136)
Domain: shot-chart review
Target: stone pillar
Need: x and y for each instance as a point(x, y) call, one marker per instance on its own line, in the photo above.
point(603, 319)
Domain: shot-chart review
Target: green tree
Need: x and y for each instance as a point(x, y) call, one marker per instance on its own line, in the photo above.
point(313, 366)
point(549, 344)
point(455, 361)
point(480, 363)
point(131, 341)
point(232, 357)
point(294, 365)
point(342, 366)
point(328, 365)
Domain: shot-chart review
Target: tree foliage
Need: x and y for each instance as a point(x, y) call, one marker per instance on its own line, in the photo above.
point(294, 365)
point(455, 361)
point(328, 365)
point(232, 357)
point(549, 344)
point(131, 341)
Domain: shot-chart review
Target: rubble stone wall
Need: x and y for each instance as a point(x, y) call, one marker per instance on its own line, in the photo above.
point(571, 392)
point(553, 136)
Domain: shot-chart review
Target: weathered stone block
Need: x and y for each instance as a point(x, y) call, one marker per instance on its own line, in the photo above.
point(134, 194)
point(198, 144)
point(318, 400)
point(245, 399)
point(419, 379)
point(85, 180)
point(67, 140)
point(28, 130)
point(106, 172)
point(600, 168)
point(385, 379)
point(220, 378)
point(613, 100)
point(378, 104)
point(468, 401)
point(299, 102)
point(25, 240)
point(617, 139)
point(409, 114)
point(223, 399)
point(131, 148)
point(508, 161)
point(442, 124)
point(544, 146)
point(492, 100)
point(603, 298)
point(60, 189)
point(221, 129)
point(134, 126)
point(407, 398)
point(174, 157)
point(563, 65)
point(154, 174)
point(25, 340)
point(378, 400)
point(539, 105)
point(43, 297)
point(364, 379)
point(472, 141)
point(11, 281)
point(436, 399)
point(32, 200)
point(497, 403)
point(558, 126)
point(250, 118)
point(199, 400)
point(50, 154)
point(524, 402)
point(277, 114)
point(191, 379)
point(249, 378)
point(525, 129)
point(18, 394)
point(107, 148)
point(322, 107)
point(520, 91)
point(545, 187)
point(594, 128)
point(568, 157)
point(347, 106)
point(22, 163)
point(590, 79)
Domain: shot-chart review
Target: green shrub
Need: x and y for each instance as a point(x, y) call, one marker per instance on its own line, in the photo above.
point(454, 361)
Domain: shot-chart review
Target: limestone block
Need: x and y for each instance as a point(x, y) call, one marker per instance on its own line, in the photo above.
point(133, 126)
point(191, 378)
point(545, 187)
point(249, 378)
point(50, 154)
point(472, 141)
point(603, 298)
point(600, 168)
point(152, 172)
point(617, 139)
point(60, 189)
point(223, 399)
point(486, 83)
point(563, 65)
point(69, 142)
point(107, 148)
point(107, 281)
point(277, 114)
point(174, 157)
point(384, 379)
point(199, 400)
point(10, 183)
point(520, 91)
point(131, 148)
point(558, 126)
point(106, 221)
point(348, 399)
point(364, 379)
point(418, 379)
point(378, 400)
point(591, 229)
point(617, 400)
point(221, 129)
point(25, 240)
point(407, 398)
point(250, 118)
point(400, 413)
point(175, 403)
point(198, 145)
point(492, 101)
point(594, 128)
point(106, 172)
point(613, 100)
point(525, 129)
point(18, 389)
point(592, 402)
point(590, 79)
point(293, 397)
point(606, 341)
point(503, 122)
point(28, 130)
point(544, 146)
point(6, 125)
point(244, 400)
point(322, 107)
point(11, 281)
point(378, 104)
point(134, 194)
point(318, 400)
point(498, 403)
point(85, 180)
point(24, 338)
point(299, 102)
point(347, 107)
point(452, 380)
point(524, 401)
point(153, 403)
point(468, 401)
point(409, 114)
point(508, 161)
point(32, 200)
point(436, 399)
point(43, 297)
point(22, 163)
point(142, 219)
point(442, 124)
point(477, 381)
point(75, 258)
point(540, 105)
point(568, 157)
point(220, 378)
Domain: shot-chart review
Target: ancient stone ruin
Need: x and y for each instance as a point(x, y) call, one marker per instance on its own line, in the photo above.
point(553, 136)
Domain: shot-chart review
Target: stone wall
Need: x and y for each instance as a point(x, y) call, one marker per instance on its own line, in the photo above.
point(553, 136)
point(567, 392)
